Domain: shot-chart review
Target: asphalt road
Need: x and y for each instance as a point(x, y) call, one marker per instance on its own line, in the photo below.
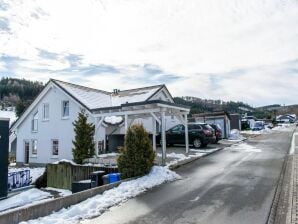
point(231, 186)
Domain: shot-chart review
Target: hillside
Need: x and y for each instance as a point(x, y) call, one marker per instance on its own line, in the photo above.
point(18, 93)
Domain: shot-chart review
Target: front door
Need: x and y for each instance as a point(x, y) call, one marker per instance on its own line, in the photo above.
point(26, 152)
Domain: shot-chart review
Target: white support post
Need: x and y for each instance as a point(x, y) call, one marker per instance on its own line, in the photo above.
point(186, 134)
point(164, 141)
point(125, 123)
point(154, 134)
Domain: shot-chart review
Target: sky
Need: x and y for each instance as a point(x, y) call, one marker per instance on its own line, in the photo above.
point(236, 50)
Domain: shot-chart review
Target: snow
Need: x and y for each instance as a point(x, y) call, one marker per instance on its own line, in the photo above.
point(65, 161)
point(113, 120)
point(235, 135)
point(62, 192)
point(108, 155)
point(98, 204)
point(28, 197)
point(34, 172)
point(244, 147)
point(8, 114)
point(173, 155)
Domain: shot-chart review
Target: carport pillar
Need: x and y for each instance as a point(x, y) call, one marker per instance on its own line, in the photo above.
point(186, 134)
point(163, 135)
point(154, 134)
point(125, 123)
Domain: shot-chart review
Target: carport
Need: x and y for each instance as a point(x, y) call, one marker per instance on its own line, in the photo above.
point(156, 109)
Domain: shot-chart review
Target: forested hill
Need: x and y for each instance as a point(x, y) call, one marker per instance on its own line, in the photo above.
point(199, 105)
point(18, 92)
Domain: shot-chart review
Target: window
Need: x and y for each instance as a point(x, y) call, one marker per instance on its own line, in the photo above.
point(100, 145)
point(34, 126)
point(34, 147)
point(55, 147)
point(46, 111)
point(65, 108)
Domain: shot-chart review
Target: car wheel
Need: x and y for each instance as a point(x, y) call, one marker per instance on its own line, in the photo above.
point(197, 143)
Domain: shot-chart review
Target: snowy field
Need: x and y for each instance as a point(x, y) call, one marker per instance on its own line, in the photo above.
point(280, 127)
point(8, 114)
point(98, 204)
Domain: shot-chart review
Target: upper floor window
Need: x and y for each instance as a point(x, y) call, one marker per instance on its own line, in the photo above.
point(65, 108)
point(46, 111)
point(34, 147)
point(34, 125)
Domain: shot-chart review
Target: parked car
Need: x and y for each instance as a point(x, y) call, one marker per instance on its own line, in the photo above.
point(259, 125)
point(199, 135)
point(218, 132)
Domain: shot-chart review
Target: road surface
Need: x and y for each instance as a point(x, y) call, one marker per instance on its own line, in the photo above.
point(231, 186)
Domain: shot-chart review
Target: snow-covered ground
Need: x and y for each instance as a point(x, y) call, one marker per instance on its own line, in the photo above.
point(26, 198)
point(178, 157)
point(280, 127)
point(62, 192)
point(244, 147)
point(100, 203)
point(34, 172)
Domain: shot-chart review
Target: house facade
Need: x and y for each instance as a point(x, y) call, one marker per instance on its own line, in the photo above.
point(44, 133)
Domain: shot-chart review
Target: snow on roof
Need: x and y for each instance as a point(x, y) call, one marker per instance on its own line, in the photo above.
point(8, 114)
point(91, 98)
point(134, 95)
point(94, 98)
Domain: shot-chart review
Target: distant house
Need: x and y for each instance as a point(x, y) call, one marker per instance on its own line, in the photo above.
point(286, 118)
point(222, 118)
point(44, 132)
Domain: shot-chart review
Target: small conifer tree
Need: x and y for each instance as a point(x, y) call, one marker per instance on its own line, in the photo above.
point(137, 155)
point(83, 143)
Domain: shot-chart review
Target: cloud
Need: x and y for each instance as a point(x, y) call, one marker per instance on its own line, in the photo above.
point(223, 49)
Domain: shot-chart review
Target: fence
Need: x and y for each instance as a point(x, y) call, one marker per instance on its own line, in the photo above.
point(63, 174)
point(19, 179)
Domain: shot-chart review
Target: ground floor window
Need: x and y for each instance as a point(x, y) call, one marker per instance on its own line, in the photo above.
point(55, 147)
point(34, 147)
point(100, 145)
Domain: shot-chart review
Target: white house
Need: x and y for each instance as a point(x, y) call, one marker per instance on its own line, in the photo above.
point(44, 133)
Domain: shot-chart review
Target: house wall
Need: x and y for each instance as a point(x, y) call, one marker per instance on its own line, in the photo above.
point(54, 128)
point(222, 121)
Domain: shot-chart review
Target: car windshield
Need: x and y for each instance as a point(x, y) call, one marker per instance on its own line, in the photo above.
point(207, 126)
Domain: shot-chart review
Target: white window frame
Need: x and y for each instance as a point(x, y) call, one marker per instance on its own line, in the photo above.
point(44, 118)
point(34, 148)
point(52, 148)
point(62, 109)
point(34, 122)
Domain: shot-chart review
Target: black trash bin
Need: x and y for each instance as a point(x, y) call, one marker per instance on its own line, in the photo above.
point(96, 178)
point(80, 186)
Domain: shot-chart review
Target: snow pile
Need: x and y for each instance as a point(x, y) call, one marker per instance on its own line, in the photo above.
point(173, 155)
point(98, 204)
point(28, 197)
point(112, 154)
point(113, 120)
point(244, 147)
point(235, 135)
point(34, 172)
point(62, 192)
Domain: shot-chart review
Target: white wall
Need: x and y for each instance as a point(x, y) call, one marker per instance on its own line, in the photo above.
point(54, 128)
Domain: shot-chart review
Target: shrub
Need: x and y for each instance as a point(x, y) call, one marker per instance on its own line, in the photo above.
point(137, 156)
